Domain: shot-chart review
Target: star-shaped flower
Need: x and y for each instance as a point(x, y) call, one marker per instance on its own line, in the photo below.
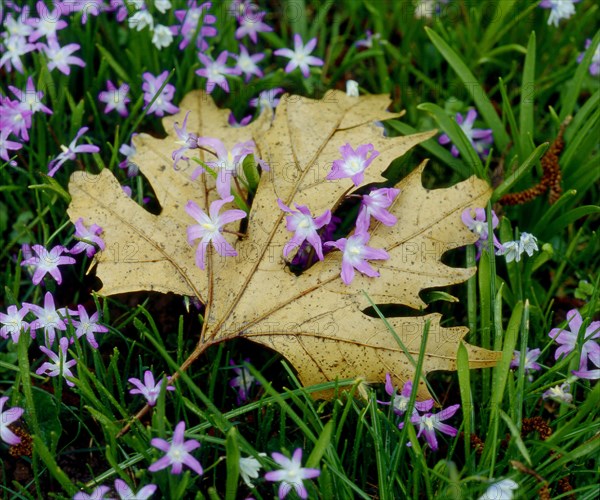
point(304, 227)
point(430, 422)
point(68, 153)
point(300, 57)
point(480, 139)
point(47, 262)
point(115, 98)
point(353, 163)
point(47, 318)
point(58, 364)
point(215, 71)
point(126, 493)
point(149, 389)
point(375, 204)
point(209, 228)
point(568, 340)
point(87, 238)
point(13, 322)
point(177, 452)
point(291, 474)
point(400, 401)
point(87, 326)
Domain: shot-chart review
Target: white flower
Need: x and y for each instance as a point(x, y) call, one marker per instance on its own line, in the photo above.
point(162, 36)
point(162, 5)
point(560, 9)
point(502, 490)
point(137, 4)
point(352, 88)
point(559, 393)
point(249, 468)
point(528, 243)
point(140, 20)
point(512, 250)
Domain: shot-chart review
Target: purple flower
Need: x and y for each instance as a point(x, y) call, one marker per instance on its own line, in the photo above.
point(375, 204)
point(367, 42)
point(189, 19)
point(356, 252)
point(305, 256)
point(13, 322)
point(68, 153)
point(304, 227)
point(47, 318)
point(129, 151)
point(215, 71)
point(87, 238)
point(59, 365)
point(97, 494)
point(267, 99)
point(30, 97)
point(162, 104)
point(400, 401)
point(187, 140)
point(228, 163)
point(299, 57)
point(47, 24)
point(247, 63)
point(242, 123)
point(6, 145)
point(15, 117)
point(568, 341)
point(353, 163)
point(115, 98)
point(7, 417)
point(291, 475)
point(14, 46)
point(531, 356)
point(149, 389)
point(48, 262)
point(430, 422)
point(60, 57)
point(560, 9)
point(251, 25)
point(87, 326)
point(587, 374)
point(559, 393)
point(480, 139)
point(177, 452)
point(243, 381)
point(595, 64)
point(479, 226)
point(126, 493)
point(209, 228)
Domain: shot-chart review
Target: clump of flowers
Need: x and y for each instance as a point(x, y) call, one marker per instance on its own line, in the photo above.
point(480, 139)
point(513, 250)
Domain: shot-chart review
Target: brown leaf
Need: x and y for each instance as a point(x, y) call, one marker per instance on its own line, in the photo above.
point(314, 320)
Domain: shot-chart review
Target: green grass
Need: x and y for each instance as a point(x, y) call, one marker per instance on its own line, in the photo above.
point(523, 78)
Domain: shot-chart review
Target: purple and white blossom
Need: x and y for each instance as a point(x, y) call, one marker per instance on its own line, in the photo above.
point(478, 224)
point(356, 252)
point(209, 228)
point(353, 163)
point(129, 150)
point(58, 364)
point(400, 401)
point(98, 493)
point(242, 382)
point(590, 350)
point(228, 163)
point(59, 57)
point(300, 57)
point(6, 145)
point(13, 322)
point(267, 99)
point(251, 25)
point(30, 98)
point(500, 490)
point(246, 63)
point(126, 493)
point(177, 452)
point(69, 153)
point(480, 139)
point(149, 388)
point(88, 325)
point(375, 205)
point(304, 227)
point(187, 140)
point(559, 393)
point(189, 19)
point(115, 98)
point(87, 239)
point(292, 474)
point(216, 70)
point(14, 48)
point(531, 356)
point(15, 117)
point(47, 262)
point(48, 318)
point(151, 86)
point(47, 24)
point(367, 42)
point(431, 422)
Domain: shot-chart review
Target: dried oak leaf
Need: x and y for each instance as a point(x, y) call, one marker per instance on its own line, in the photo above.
point(313, 319)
